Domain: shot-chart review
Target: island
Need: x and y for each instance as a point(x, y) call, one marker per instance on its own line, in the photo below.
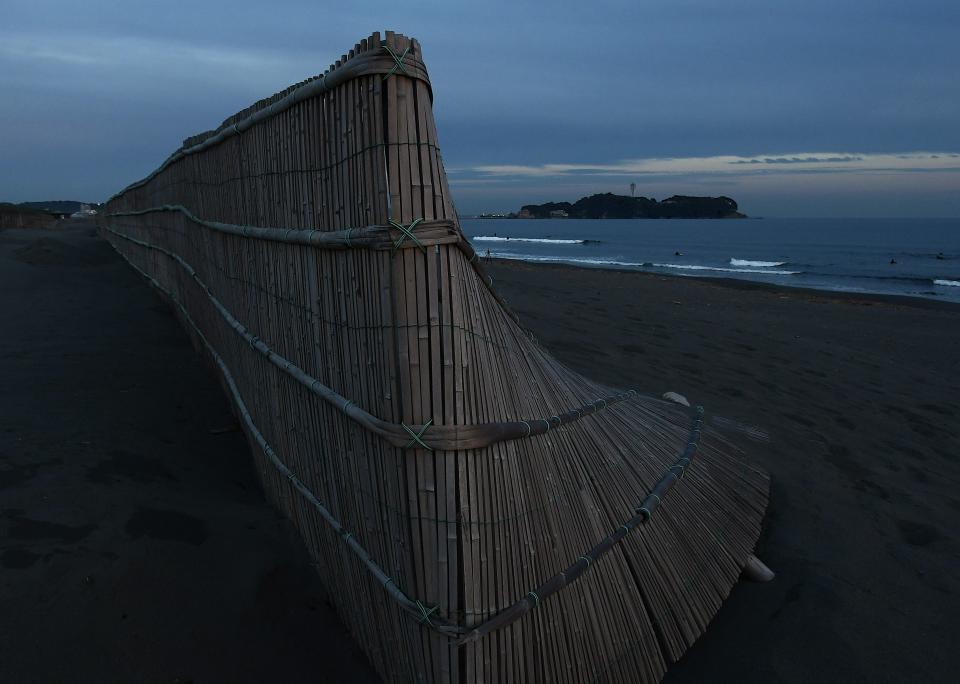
point(609, 206)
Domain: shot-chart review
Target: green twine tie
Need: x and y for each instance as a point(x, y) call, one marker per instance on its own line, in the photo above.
point(416, 436)
point(397, 62)
point(425, 613)
point(407, 233)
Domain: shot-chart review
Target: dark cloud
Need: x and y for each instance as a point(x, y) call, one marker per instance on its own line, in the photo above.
point(799, 160)
point(98, 93)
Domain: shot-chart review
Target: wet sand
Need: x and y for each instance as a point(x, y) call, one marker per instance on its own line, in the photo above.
point(135, 544)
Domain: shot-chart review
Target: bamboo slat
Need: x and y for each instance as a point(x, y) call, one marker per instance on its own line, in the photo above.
point(478, 511)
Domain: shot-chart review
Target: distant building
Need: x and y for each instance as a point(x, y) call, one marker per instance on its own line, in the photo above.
point(525, 213)
point(559, 213)
point(84, 212)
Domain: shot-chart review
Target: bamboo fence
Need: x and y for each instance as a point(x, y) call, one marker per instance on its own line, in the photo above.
point(478, 512)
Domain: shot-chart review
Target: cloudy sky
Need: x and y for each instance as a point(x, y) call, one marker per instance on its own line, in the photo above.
point(806, 108)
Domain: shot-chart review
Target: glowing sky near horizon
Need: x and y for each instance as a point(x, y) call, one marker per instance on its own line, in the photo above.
point(809, 108)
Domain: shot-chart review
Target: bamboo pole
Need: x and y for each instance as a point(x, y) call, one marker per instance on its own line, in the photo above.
point(479, 512)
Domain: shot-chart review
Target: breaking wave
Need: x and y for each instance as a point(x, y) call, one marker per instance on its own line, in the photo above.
point(947, 283)
point(549, 241)
point(756, 264)
point(683, 267)
point(638, 264)
point(564, 260)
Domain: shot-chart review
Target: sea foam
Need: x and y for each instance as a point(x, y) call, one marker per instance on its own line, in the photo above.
point(643, 264)
point(550, 241)
point(756, 264)
point(686, 267)
point(563, 260)
point(947, 283)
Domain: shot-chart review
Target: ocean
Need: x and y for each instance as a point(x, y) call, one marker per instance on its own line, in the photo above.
point(848, 255)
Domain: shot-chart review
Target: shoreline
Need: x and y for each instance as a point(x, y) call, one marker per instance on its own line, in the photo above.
point(162, 568)
point(849, 403)
point(744, 284)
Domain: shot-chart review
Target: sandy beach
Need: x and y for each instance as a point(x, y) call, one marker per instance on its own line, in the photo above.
point(858, 395)
point(135, 544)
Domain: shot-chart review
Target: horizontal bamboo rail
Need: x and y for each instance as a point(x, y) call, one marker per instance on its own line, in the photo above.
point(462, 633)
point(362, 65)
point(425, 233)
point(405, 436)
point(311, 248)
